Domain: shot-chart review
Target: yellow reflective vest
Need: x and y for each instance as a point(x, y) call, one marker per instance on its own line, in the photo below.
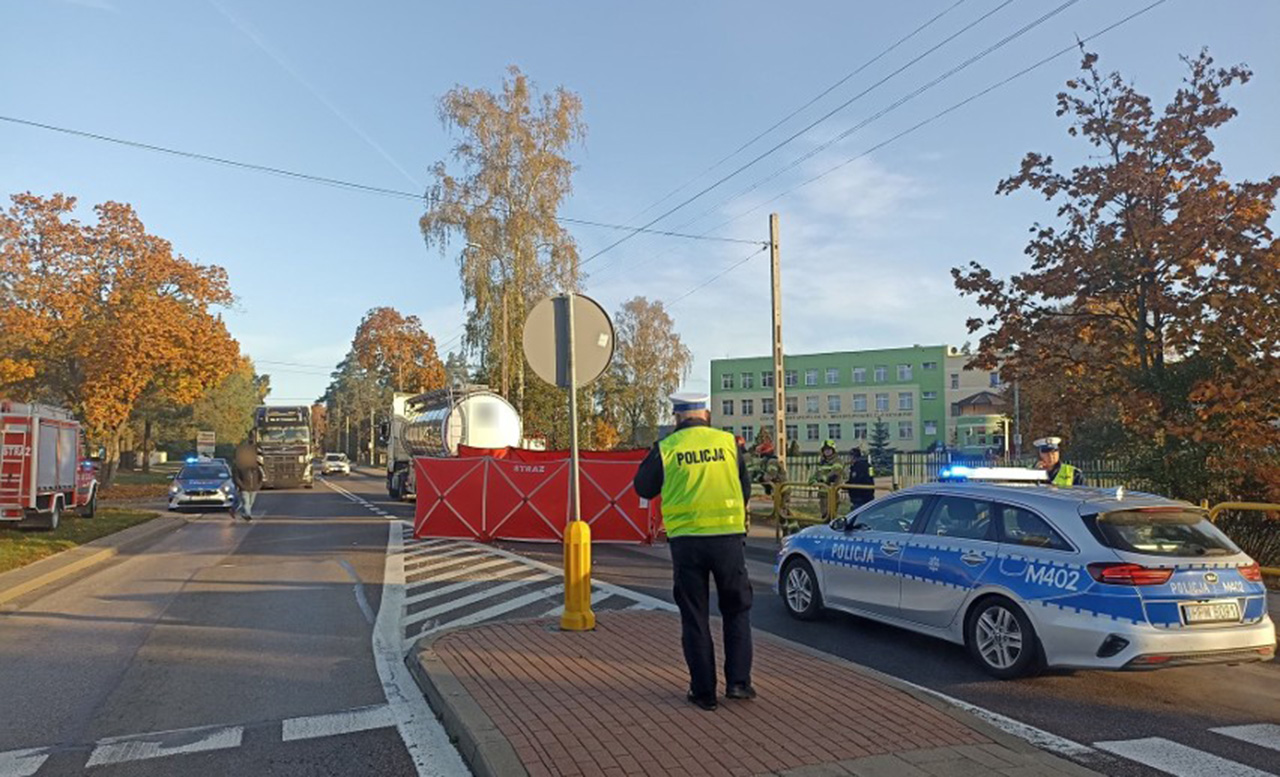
point(1066, 477)
point(701, 492)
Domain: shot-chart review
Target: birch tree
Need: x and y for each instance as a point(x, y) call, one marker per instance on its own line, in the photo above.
point(495, 200)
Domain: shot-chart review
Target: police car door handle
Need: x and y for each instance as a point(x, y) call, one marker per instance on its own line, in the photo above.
point(973, 559)
point(889, 547)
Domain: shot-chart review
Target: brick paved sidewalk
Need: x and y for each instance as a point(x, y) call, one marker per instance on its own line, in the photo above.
point(523, 698)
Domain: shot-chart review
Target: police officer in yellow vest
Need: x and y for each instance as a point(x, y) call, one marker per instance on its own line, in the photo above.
point(701, 475)
point(1060, 474)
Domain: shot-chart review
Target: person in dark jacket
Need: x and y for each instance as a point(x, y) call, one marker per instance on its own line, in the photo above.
point(860, 475)
point(247, 474)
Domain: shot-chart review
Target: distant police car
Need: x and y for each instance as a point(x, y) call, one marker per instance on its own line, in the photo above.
point(202, 483)
point(1029, 575)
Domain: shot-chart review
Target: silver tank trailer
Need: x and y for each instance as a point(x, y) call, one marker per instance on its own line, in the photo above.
point(437, 422)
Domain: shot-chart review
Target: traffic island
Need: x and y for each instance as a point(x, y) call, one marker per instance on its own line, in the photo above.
point(523, 698)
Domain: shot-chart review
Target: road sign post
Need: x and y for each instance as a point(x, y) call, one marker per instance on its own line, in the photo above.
point(568, 340)
point(205, 443)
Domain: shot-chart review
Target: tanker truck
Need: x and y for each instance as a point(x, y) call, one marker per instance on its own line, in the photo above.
point(437, 422)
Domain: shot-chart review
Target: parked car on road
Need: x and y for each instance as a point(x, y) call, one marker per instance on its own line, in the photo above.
point(336, 464)
point(203, 484)
point(1029, 575)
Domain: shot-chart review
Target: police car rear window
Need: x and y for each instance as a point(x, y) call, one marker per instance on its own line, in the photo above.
point(1163, 532)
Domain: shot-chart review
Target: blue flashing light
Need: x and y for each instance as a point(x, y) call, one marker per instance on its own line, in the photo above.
point(957, 472)
point(192, 459)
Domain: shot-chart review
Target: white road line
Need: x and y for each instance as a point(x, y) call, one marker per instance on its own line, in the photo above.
point(426, 740)
point(504, 608)
point(488, 578)
point(22, 763)
point(479, 596)
point(116, 750)
point(440, 559)
point(1178, 759)
point(654, 603)
point(425, 550)
point(346, 722)
point(597, 596)
point(1261, 734)
point(1036, 736)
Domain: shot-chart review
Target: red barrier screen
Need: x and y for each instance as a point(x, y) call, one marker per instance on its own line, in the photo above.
point(483, 497)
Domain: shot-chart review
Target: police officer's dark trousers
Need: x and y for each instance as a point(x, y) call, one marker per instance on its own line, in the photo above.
point(694, 559)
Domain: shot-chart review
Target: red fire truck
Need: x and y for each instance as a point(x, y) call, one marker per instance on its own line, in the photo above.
point(43, 472)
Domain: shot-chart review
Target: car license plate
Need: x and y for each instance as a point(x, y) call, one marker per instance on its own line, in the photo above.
point(1212, 612)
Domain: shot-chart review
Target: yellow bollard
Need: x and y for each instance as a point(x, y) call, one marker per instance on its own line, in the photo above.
point(577, 579)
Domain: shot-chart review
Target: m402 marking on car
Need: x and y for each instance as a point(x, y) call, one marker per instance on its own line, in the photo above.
point(1054, 577)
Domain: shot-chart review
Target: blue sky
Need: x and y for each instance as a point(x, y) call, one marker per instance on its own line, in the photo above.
point(349, 91)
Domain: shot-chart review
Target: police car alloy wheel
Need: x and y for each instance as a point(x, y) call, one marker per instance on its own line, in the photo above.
point(1000, 636)
point(800, 590)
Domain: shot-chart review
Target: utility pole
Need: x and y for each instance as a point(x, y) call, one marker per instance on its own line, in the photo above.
point(371, 449)
point(779, 400)
point(1017, 421)
point(346, 433)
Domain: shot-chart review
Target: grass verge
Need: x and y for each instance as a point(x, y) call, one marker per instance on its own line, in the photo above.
point(21, 547)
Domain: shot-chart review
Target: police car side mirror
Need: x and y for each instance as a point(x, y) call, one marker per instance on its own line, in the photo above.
point(839, 524)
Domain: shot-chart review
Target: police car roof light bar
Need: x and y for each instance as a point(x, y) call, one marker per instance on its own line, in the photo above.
point(960, 474)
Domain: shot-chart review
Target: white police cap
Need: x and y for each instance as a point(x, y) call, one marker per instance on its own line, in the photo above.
point(685, 401)
point(1046, 444)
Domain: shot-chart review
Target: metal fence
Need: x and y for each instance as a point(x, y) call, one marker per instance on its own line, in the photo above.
point(912, 469)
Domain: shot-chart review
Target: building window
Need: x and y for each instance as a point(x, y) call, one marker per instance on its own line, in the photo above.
point(811, 431)
point(859, 374)
point(748, 380)
point(882, 403)
point(726, 407)
point(860, 431)
point(793, 404)
point(749, 434)
point(955, 380)
point(905, 400)
point(766, 379)
point(955, 408)
point(859, 403)
point(726, 381)
point(929, 366)
point(810, 377)
point(904, 372)
point(728, 429)
point(833, 403)
point(748, 407)
point(929, 395)
point(833, 431)
point(995, 380)
point(931, 428)
point(905, 431)
point(833, 376)
point(881, 374)
point(766, 406)
point(789, 378)
point(811, 404)
point(793, 432)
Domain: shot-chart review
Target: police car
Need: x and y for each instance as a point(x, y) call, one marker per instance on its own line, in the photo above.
point(1029, 575)
point(202, 483)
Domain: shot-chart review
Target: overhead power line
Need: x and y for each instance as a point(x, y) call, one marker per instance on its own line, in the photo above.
point(772, 149)
point(327, 181)
point(717, 276)
point(841, 82)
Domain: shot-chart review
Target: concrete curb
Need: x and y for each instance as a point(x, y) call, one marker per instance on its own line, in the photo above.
point(482, 745)
point(489, 754)
point(24, 580)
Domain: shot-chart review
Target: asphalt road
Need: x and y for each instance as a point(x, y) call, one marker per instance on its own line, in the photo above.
point(1177, 706)
point(227, 648)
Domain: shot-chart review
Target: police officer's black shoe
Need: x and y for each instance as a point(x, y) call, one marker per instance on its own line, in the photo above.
point(706, 703)
point(740, 691)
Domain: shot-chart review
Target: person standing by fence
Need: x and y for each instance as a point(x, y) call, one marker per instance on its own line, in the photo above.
point(860, 475)
point(1061, 474)
point(828, 473)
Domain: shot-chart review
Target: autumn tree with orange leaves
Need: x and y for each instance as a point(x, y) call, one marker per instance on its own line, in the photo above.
point(398, 350)
point(97, 316)
point(1150, 316)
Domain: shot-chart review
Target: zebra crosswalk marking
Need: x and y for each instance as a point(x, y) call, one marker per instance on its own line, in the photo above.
point(462, 585)
point(1261, 734)
point(1178, 759)
point(479, 596)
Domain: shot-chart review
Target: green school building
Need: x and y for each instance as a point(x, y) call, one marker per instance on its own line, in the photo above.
point(925, 395)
